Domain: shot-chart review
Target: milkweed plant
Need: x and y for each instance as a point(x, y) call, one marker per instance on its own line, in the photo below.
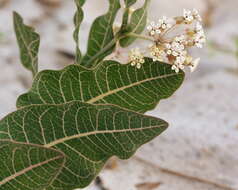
point(71, 121)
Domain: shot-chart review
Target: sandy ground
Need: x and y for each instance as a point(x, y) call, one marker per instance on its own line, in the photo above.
point(200, 149)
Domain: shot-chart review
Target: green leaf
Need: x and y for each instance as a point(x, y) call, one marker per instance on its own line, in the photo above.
point(111, 83)
point(28, 42)
point(28, 166)
point(136, 25)
point(125, 17)
point(78, 18)
point(79, 3)
point(129, 3)
point(101, 38)
point(88, 135)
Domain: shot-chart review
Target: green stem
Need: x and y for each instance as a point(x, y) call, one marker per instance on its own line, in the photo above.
point(125, 19)
point(139, 36)
point(113, 42)
point(102, 51)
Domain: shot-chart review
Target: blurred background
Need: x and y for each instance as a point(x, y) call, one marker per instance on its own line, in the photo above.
point(200, 149)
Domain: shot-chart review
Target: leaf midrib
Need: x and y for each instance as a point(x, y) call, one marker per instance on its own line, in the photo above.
point(62, 140)
point(6, 180)
point(95, 99)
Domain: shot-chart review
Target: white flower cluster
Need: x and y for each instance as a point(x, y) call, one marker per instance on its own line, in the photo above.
point(174, 50)
point(162, 25)
point(156, 53)
point(190, 16)
point(136, 58)
point(199, 36)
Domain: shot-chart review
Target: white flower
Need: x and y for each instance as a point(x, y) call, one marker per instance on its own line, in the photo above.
point(168, 46)
point(180, 39)
point(157, 53)
point(174, 45)
point(194, 64)
point(199, 36)
point(138, 66)
point(178, 64)
point(169, 52)
point(198, 27)
point(175, 53)
point(181, 47)
point(188, 16)
point(153, 29)
point(176, 48)
point(165, 23)
point(199, 40)
point(149, 27)
point(157, 31)
point(136, 58)
point(162, 25)
point(196, 15)
point(180, 60)
point(175, 68)
point(133, 63)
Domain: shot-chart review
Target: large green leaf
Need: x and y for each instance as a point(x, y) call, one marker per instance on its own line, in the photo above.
point(28, 166)
point(28, 42)
point(78, 18)
point(111, 83)
point(101, 39)
point(136, 25)
point(88, 135)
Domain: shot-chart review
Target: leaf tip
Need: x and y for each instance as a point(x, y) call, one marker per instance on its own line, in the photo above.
point(16, 15)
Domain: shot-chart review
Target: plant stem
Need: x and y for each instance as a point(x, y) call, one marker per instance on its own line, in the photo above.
point(114, 41)
point(101, 52)
point(139, 36)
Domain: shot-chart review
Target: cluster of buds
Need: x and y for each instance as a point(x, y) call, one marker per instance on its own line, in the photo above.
point(172, 46)
point(136, 58)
